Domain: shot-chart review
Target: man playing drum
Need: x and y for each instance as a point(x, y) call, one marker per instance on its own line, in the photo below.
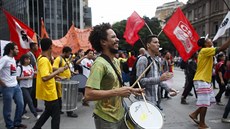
point(103, 84)
point(62, 61)
point(153, 81)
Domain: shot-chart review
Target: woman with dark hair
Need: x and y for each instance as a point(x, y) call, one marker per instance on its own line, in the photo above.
point(25, 73)
point(220, 71)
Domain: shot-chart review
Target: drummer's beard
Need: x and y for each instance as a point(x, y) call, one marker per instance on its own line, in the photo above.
point(114, 51)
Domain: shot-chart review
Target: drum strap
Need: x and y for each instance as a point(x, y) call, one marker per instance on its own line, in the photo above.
point(114, 68)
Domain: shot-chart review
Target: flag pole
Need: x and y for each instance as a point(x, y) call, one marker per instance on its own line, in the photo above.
point(226, 5)
point(159, 33)
point(148, 28)
point(142, 43)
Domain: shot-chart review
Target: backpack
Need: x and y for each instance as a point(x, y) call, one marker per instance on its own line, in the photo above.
point(133, 76)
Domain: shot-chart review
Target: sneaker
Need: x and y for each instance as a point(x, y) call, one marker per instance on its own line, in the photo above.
point(38, 116)
point(183, 101)
point(190, 94)
point(25, 117)
point(39, 110)
point(220, 103)
point(73, 115)
point(225, 120)
point(21, 126)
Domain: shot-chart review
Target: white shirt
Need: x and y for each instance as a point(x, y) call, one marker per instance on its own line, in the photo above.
point(8, 71)
point(26, 71)
point(86, 65)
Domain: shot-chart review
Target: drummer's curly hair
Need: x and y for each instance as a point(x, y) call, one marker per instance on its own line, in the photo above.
point(99, 33)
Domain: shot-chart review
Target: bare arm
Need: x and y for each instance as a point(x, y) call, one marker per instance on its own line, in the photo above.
point(24, 78)
point(59, 70)
point(224, 46)
point(79, 61)
point(93, 94)
point(2, 83)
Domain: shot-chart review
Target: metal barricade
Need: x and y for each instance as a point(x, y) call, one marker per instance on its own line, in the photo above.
point(69, 94)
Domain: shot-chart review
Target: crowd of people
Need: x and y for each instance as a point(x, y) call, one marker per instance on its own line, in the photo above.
point(109, 74)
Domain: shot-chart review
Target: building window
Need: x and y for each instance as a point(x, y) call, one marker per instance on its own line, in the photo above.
point(200, 12)
point(190, 15)
point(204, 10)
point(215, 28)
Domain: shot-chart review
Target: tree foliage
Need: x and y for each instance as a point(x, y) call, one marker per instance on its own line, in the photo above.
point(155, 27)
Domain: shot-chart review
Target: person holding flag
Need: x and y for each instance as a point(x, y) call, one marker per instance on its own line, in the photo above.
point(202, 79)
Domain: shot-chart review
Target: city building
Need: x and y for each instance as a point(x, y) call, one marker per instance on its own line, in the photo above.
point(166, 10)
point(206, 17)
point(58, 15)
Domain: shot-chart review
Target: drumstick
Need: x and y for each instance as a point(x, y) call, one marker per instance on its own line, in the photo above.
point(142, 74)
point(143, 97)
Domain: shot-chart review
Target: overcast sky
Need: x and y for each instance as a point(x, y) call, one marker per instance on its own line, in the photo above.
point(116, 10)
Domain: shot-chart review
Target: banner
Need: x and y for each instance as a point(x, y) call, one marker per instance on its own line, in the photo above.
point(133, 26)
point(181, 33)
point(83, 38)
point(223, 26)
point(20, 34)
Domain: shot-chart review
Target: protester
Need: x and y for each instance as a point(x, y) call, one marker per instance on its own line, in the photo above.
point(10, 88)
point(220, 70)
point(203, 77)
point(190, 71)
point(141, 51)
point(104, 84)
point(227, 77)
point(166, 64)
point(80, 55)
point(86, 64)
point(46, 86)
point(62, 61)
point(25, 73)
point(152, 81)
point(131, 60)
point(33, 61)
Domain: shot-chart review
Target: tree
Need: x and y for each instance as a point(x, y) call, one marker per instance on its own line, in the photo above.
point(155, 27)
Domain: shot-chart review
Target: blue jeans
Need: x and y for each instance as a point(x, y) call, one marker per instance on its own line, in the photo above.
point(9, 94)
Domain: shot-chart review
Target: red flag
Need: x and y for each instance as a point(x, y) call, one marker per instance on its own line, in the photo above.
point(20, 33)
point(133, 25)
point(182, 34)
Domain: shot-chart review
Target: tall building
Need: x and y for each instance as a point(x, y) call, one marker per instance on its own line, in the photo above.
point(206, 17)
point(58, 15)
point(164, 11)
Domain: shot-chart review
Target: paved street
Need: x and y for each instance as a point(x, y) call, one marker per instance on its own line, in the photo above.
point(176, 115)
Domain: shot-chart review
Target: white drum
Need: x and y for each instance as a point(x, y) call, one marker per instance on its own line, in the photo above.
point(141, 117)
point(81, 78)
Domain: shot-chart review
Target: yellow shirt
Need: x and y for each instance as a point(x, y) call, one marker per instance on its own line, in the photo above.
point(45, 90)
point(205, 64)
point(65, 74)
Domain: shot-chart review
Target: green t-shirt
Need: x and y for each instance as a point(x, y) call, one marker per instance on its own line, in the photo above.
point(103, 77)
